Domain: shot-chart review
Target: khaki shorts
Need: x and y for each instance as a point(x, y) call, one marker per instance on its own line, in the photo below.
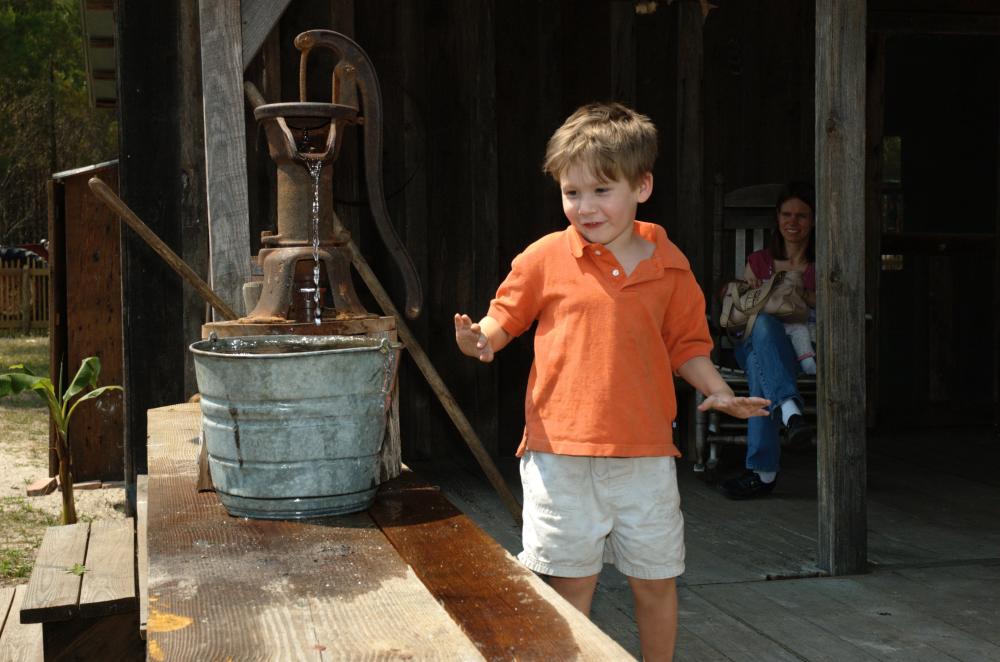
point(582, 512)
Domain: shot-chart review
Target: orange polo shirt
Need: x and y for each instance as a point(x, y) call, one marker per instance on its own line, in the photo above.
point(606, 345)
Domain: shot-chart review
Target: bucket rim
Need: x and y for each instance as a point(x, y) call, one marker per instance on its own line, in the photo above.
point(200, 347)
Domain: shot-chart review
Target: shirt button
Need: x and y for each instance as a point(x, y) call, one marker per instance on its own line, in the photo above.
point(597, 252)
point(615, 272)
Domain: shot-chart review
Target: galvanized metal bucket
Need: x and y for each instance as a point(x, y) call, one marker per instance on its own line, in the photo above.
point(293, 424)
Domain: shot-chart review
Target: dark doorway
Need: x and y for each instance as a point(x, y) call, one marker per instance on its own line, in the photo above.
point(937, 353)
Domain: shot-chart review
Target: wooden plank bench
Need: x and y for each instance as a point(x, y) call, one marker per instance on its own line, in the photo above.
point(412, 578)
point(82, 591)
point(18, 642)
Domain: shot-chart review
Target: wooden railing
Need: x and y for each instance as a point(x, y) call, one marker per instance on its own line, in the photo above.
point(24, 296)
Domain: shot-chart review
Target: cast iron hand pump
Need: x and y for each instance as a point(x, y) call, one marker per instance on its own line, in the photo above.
point(286, 257)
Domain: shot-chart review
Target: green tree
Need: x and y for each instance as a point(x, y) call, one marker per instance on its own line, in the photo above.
point(46, 122)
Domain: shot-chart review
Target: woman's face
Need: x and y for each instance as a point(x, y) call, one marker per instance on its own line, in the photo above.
point(795, 221)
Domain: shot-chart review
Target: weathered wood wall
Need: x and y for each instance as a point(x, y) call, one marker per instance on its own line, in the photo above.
point(937, 355)
point(464, 145)
point(759, 109)
point(87, 321)
point(472, 91)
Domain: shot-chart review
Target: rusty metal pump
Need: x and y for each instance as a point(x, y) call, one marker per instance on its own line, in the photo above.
point(303, 133)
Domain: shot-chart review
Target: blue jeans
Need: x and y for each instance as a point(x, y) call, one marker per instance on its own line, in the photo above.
point(769, 361)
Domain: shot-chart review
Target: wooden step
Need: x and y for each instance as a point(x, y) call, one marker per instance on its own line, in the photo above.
point(18, 642)
point(83, 592)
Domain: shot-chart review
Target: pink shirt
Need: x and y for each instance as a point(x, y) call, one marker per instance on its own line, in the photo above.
point(762, 265)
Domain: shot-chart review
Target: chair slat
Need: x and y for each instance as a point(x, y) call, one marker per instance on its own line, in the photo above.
point(740, 252)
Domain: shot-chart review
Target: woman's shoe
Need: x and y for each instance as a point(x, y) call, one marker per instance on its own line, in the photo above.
point(747, 486)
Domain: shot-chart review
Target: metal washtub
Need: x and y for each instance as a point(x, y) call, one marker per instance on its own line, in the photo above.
point(293, 425)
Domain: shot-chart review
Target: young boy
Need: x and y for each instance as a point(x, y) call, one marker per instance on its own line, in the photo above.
point(618, 312)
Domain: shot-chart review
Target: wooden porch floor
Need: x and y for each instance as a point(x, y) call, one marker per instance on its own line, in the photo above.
point(752, 591)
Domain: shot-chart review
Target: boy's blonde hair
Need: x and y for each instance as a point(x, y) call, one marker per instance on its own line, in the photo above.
point(612, 140)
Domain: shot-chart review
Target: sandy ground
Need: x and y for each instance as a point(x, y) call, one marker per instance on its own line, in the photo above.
point(21, 465)
point(24, 434)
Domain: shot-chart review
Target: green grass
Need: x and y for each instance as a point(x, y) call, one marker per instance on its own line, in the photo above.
point(33, 352)
point(24, 432)
point(23, 528)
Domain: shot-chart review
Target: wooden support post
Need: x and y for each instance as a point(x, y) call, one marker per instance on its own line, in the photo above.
point(996, 302)
point(258, 18)
point(149, 179)
point(690, 145)
point(192, 209)
point(225, 149)
point(840, 176)
point(689, 227)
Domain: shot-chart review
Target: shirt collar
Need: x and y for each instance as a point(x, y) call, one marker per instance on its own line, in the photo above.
point(666, 254)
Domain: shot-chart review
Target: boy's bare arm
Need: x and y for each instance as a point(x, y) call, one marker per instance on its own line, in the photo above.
point(701, 374)
point(480, 340)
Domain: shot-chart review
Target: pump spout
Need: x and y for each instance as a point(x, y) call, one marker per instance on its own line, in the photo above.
point(355, 70)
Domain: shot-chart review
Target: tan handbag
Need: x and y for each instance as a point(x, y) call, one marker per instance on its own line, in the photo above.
point(782, 296)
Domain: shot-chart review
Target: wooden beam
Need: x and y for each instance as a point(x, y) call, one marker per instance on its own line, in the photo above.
point(996, 294)
point(840, 202)
point(900, 22)
point(149, 181)
point(192, 209)
point(225, 149)
point(258, 17)
point(690, 143)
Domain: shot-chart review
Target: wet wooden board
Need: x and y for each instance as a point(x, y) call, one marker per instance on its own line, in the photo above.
point(505, 609)
point(221, 586)
point(476, 498)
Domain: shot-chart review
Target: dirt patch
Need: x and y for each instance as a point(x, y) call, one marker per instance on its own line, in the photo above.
point(24, 458)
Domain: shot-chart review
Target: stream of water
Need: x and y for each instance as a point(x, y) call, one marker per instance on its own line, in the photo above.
point(315, 169)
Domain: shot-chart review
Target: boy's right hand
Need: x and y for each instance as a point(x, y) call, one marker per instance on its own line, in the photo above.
point(471, 339)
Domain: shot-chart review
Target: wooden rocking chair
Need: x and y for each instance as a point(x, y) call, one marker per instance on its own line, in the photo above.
point(742, 222)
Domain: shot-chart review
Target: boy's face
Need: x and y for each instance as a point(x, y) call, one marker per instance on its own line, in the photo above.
point(602, 211)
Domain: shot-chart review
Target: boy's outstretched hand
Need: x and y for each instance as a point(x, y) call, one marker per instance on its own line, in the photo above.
point(471, 339)
point(728, 403)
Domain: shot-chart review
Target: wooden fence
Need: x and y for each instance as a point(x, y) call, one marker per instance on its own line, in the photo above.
point(24, 296)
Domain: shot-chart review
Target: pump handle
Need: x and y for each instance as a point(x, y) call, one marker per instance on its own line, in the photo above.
point(363, 75)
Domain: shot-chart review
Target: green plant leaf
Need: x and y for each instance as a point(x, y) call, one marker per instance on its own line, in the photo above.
point(77, 569)
point(12, 383)
point(86, 377)
point(96, 393)
point(20, 367)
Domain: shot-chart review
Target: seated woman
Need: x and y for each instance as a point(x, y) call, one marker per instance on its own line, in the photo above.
point(768, 356)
